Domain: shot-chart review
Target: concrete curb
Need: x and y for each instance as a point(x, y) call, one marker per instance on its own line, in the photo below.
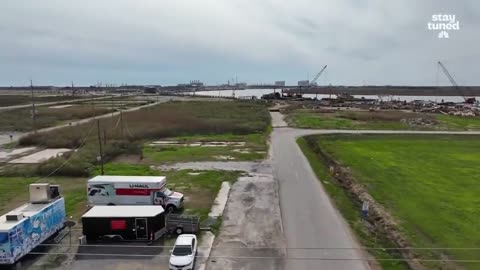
point(217, 210)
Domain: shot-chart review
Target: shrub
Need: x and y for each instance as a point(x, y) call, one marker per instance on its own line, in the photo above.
point(82, 162)
point(57, 167)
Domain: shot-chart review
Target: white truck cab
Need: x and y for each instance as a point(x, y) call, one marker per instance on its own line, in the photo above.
point(184, 253)
point(171, 200)
point(132, 190)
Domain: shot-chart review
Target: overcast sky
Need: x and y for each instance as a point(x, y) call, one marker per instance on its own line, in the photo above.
point(173, 41)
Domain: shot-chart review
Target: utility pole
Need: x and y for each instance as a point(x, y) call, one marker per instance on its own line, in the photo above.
point(93, 105)
point(121, 124)
point(100, 157)
point(112, 107)
point(104, 137)
point(34, 113)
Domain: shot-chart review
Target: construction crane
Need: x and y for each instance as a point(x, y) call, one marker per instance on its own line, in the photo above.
point(313, 81)
point(470, 100)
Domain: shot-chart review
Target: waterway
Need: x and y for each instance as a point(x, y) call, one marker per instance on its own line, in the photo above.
point(259, 92)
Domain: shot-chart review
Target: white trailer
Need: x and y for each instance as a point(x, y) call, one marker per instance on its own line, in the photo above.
point(132, 190)
point(27, 226)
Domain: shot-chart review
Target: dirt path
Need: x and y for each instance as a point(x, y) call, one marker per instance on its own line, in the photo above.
point(278, 120)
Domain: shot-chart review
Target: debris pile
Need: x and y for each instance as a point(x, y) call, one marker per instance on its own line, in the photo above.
point(418, 121)
point(466, 112)
point(197, 144)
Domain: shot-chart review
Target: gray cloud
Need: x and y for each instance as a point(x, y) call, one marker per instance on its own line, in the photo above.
point(167, 42)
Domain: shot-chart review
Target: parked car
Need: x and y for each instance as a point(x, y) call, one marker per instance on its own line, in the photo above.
point(184, 253)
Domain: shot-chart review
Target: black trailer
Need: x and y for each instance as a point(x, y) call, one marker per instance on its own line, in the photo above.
point(124, 222)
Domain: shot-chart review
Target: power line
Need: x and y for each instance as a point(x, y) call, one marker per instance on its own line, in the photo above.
point(100, 146)
point(34, 113)
point(70, 157)
point(260, 257)
point(288, 248)
point(75, 150)
point(128, 129)
point(118, 122)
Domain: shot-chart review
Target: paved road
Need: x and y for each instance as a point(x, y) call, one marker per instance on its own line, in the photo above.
point(277, 120)
point(309, 218)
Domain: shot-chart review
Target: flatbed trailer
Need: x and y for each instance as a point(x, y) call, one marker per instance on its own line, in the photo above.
point(180, 224)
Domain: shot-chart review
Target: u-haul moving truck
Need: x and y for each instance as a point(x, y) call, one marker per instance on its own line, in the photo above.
point(132, 190)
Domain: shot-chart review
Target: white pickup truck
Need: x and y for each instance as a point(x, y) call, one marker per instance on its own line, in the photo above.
point(132, 190)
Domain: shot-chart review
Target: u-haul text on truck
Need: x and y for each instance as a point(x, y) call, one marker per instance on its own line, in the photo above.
point(132, 190)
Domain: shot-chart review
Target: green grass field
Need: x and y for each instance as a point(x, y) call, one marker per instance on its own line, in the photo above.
point(334, 121)
point(200, 187)
point(14, 192)
point(350, 212)
point(388, 120)
point(429, 183)
point(459, 123)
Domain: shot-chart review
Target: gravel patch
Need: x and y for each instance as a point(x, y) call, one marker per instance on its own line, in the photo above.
point(252, 226)
point(40, 156)
point(10, 153)
point(246, 166)
point(61, 106)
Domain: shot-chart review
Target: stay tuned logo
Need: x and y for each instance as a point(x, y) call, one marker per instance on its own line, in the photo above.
point(443, 24)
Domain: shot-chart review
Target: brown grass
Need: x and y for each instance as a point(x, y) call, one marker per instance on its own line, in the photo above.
point(126, 137)
point(11, 100)
point(166, 120)
point(21, 119)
